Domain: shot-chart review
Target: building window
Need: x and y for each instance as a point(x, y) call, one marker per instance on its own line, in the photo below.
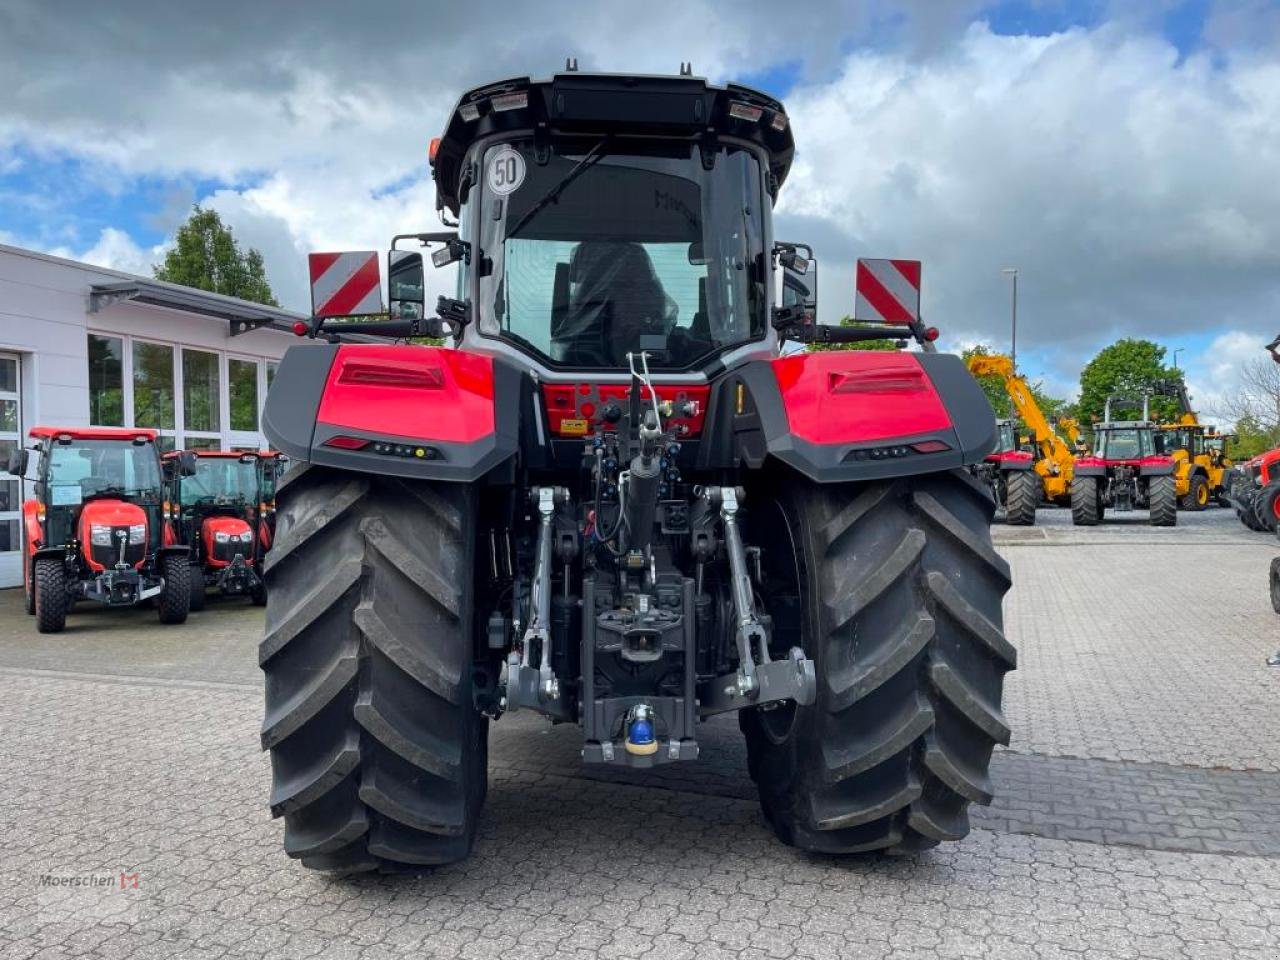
point(200, 391)
point(242, 379)
point(152, 385)
point(106, 381)
point(203, 443)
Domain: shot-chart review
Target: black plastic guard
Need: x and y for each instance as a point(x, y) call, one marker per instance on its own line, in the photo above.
point(733, 439)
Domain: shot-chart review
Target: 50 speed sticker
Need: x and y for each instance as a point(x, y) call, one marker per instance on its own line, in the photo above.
point(506, 172)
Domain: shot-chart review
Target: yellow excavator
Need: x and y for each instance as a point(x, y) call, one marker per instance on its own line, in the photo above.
point(1199, 452)
point(1026, 478)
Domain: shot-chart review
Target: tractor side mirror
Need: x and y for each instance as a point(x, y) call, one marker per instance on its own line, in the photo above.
point(18, 461)
point(799, 278)
point(186, 463)
point(406, 284)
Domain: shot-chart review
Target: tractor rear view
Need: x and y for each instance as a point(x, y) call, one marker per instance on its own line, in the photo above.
point(1126, 471)
point(616, 504)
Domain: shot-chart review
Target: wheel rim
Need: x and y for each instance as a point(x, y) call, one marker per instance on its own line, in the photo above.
point(1202, 495)
point(779, 722)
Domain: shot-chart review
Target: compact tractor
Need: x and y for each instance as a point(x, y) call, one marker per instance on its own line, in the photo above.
point(96, 527)
point(1127, 470)
point(616, 503)
point(1024, 479)
point(223, 512)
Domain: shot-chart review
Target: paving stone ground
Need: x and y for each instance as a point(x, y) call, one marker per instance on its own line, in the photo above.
point(1132, 817)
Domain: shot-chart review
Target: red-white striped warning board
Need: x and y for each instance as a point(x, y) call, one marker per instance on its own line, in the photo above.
point(888, 291)
point(345, 284)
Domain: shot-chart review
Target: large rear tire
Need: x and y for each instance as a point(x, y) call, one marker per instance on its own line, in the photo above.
point(1275, 584)
point(1162, 502)
point(1022, 492)
point(1084, 501)
point(49, 587)
point(378, 755)
point(899, 607)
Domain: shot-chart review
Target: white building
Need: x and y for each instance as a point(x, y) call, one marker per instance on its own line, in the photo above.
point(84, 346)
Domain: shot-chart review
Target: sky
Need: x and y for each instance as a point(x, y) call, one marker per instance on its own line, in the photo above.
point(1121, 155)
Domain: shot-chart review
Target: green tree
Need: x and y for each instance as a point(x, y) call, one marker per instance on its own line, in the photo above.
point(207, 257)
point(1126, 368)
point(1252, 438)
point(864, 345)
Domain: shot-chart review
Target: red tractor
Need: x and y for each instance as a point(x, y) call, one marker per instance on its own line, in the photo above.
point(1010, 471)
point(95, 529)
point(1255, 491)
point(616, 503)
point(1127, 470)
point(224, 511)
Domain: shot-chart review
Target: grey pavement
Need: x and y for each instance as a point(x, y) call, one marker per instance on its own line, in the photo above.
point(1133, 815)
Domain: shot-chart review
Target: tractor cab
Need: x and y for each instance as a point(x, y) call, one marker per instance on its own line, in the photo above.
point(95, 528)
point(222, 508)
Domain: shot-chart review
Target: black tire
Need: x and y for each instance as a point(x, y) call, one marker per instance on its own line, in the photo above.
point(1022, 493)
point(174, 601)
point(378, 756)
point(1084, 502)
point(1265, 506)
point(1162, 502)
point(49, 583)
point(1245, 509)
point(1275, 584)
point(198, 593)
point(899, 604)
point(1197, 496)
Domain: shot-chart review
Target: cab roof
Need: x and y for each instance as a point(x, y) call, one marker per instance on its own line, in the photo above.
point(232, 454)
point(94, 433)
point(682, 107)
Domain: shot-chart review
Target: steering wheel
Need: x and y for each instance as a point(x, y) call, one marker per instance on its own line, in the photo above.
point(92, 484)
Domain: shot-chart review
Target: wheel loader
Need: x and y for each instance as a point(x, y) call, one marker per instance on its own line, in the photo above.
point(613, 501)
point(1127, 470)
point(1026, 479)
point(1202, 464)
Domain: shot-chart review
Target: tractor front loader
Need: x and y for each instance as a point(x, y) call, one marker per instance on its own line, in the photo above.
point(96, 528)
point(615, 503)
point(1126, 471)
point(1024, 479)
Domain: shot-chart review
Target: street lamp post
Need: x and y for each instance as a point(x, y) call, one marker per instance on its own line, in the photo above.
point(1013, 350)
point(1175, 357)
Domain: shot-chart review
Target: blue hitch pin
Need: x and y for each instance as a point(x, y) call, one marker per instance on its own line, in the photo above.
point(640, 740)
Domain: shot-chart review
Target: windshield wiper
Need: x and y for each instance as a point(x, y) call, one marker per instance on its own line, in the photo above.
point(552, 195)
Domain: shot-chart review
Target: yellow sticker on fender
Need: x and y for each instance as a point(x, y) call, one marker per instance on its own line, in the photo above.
point(574, 428)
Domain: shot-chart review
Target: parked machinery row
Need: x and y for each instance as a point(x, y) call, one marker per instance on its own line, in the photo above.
point(1134, 464)
point(113, 521)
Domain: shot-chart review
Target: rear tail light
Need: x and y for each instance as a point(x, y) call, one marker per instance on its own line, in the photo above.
point(930, 446)
point(342, 443)
point(301, 328)
point(390, 373)
point(745, 111)
point(876, 381)
point(930, 334)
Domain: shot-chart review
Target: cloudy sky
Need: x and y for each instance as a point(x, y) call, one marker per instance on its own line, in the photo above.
point(1122, 155)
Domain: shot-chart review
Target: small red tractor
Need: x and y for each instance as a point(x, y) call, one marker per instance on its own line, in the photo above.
point(1127, 470)
point(224, 511)
point(96, 529)
point(617, 502)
